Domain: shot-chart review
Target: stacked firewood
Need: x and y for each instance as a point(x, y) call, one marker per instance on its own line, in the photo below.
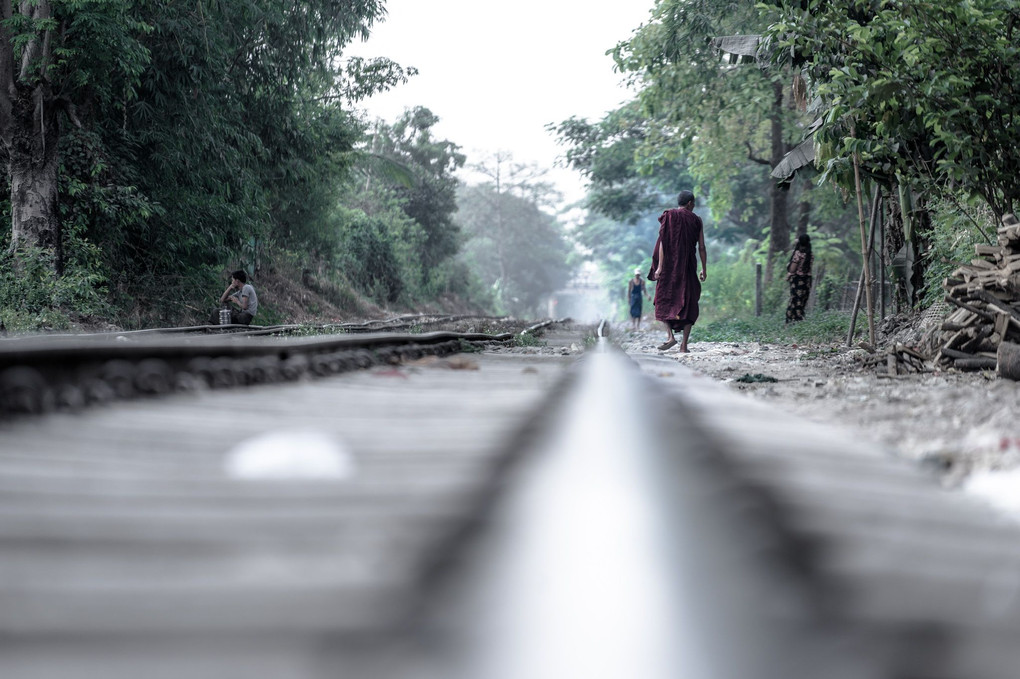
point(897, 360)
point(903, 360)
point(986, 294)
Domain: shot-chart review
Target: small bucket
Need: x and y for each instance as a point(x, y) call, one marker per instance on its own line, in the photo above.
point(224, 316)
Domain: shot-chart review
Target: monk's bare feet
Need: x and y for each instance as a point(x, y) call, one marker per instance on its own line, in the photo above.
point(668, 344)
point(683, 349)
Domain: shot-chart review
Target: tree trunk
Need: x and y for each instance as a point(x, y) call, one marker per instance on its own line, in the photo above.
point(920, 235)
point(895, 245)
point(779, 236)
point(29, 131)
point(804, 216)
point(33, 171)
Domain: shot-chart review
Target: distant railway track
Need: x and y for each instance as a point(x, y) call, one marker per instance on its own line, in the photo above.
point(543, 515)
point(404, 322)
point(41, 374)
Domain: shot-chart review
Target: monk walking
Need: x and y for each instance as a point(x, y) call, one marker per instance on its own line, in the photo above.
point(674, 269)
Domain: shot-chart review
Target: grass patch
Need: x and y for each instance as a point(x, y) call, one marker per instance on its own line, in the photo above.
point(526, 339)
point(825, 327)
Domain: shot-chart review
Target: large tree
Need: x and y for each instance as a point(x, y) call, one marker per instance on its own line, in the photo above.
point(56, 55)
point(513, 243)
point(720, 115)
point(180, 136)
point(921, 90)
point(430, 198)
point(607, 154)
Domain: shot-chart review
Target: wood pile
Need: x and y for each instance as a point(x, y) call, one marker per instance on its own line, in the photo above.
point(898, 360)
point(986, 294)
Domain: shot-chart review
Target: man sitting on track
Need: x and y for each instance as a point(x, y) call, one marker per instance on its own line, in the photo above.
point(242, 294)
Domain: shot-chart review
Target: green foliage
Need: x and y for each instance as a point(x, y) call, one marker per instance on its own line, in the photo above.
point(470, 347)
point(222, 130)
point(951, 243)
point(430, 199)
point(727, 304)
point(606, 153)
point(816, 328)
point(926, 90)
point(394, 236)
point(728, 290)
point(33, 298)
point(701, 120)
point(617, 246)
point(456, 278)
point(527, 339)
point(364, 77)
point(230, 137)
point(713, 115)
point(376, 252)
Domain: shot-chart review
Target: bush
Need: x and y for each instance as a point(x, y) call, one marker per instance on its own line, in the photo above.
point(952, 239)
point(728, 291)
point(32, 297)
point(377, 254)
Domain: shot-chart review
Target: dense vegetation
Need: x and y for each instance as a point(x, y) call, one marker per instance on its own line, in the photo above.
point(152, 146)
point(915, 99)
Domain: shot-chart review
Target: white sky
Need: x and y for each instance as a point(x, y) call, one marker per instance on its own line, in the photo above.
point(497, 73)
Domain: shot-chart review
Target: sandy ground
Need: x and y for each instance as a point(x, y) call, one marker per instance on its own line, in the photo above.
point(965, 426)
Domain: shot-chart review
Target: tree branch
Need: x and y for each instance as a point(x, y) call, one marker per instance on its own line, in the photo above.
point(753, 158)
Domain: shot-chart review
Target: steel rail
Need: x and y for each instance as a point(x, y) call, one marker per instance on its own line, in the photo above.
point(236, 329)
point(62, 349)
point(542, 325)
point(623, 546)
point(68, 373)
point(614, 538)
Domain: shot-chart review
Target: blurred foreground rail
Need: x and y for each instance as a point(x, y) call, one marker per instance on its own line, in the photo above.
point(486, 515)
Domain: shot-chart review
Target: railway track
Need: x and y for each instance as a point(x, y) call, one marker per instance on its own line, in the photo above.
point(386, 506)
point(43, 374)
point(405, 322)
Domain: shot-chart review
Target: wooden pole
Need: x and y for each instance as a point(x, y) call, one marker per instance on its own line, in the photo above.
point(863, 280)
point(853, 314)
point(865, 252)
point(757, 289)
point(881, 258)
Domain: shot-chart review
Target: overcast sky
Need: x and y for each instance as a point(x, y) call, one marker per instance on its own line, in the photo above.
point(497, 73)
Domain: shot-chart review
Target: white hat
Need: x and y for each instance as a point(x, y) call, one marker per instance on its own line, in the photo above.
point(637, 270)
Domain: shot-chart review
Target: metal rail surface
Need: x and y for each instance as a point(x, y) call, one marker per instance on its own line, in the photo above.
point(70, 372)
point(505, 516)
point(404, 322)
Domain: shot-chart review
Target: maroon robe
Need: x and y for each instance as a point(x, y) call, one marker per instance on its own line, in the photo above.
point(678, 289)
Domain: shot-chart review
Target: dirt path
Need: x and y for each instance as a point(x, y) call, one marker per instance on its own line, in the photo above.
point(962, 425)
